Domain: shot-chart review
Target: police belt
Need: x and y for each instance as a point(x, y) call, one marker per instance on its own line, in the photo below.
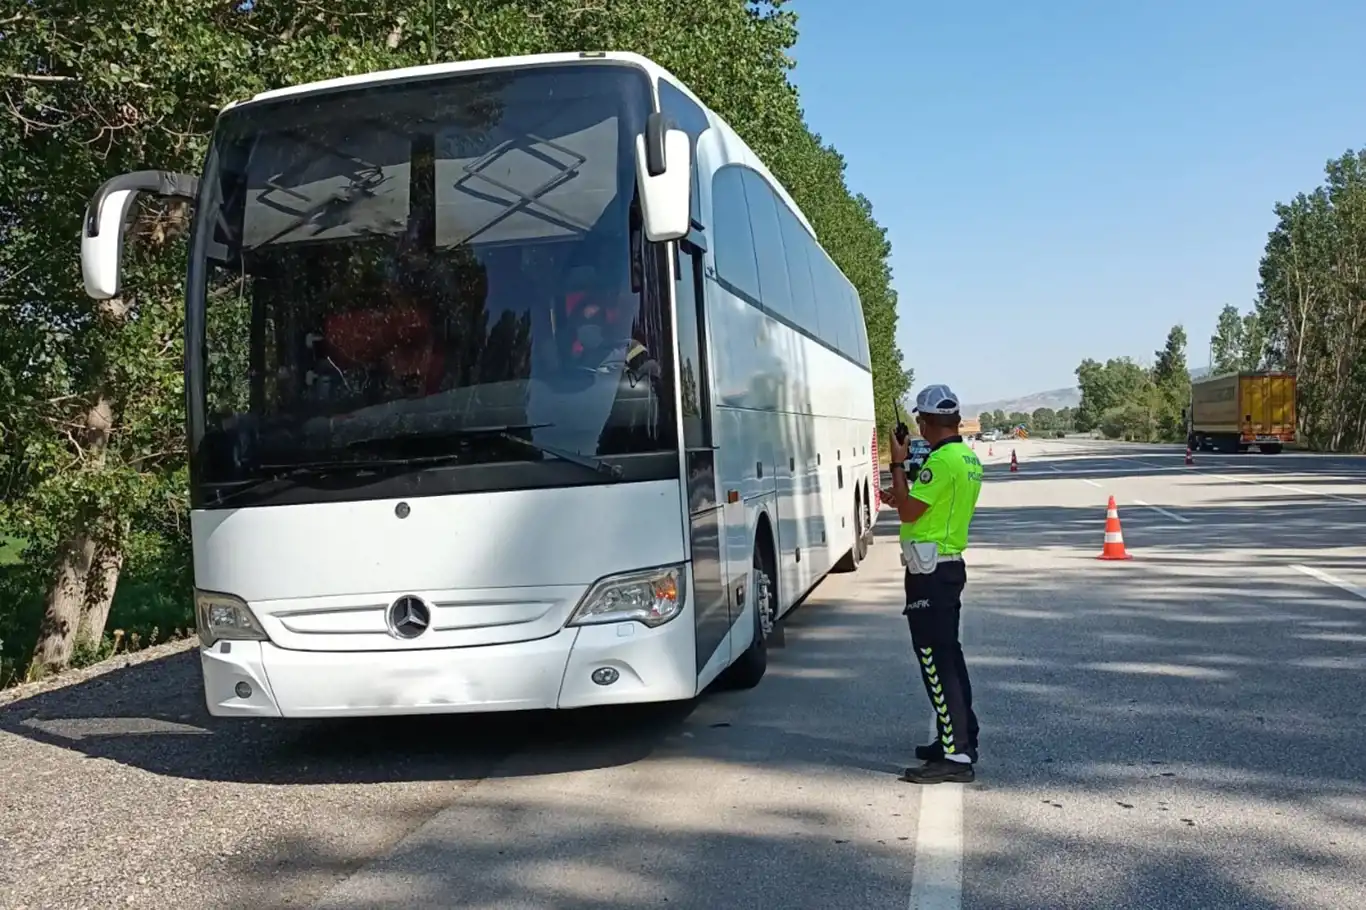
point(939, 558)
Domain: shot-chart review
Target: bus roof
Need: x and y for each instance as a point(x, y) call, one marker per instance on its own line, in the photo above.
point(399, 74)
point(735, 146)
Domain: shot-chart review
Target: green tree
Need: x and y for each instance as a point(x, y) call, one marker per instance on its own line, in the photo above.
point(1226, 344)
point(1172, 383)
point(1090, 408)
point(1132, 421)
point(1311, 303)
point(1254, 343)
point(1106, 386)
point(1239, 341)
point(91, 410)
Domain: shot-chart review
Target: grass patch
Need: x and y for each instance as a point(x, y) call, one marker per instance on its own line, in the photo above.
point(11, 548)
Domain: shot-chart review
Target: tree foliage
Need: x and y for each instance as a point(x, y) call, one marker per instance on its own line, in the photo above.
point(1040, 421)
point(1310, 311)
point(1125, 400)
point(92, 462)
point(1171, 383)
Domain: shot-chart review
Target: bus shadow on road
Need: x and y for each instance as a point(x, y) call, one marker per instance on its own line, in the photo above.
point(151, 716)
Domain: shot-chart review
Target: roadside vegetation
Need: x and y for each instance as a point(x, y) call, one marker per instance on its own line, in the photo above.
point(1041, 422)
point(93, 535)
point(1309, 316)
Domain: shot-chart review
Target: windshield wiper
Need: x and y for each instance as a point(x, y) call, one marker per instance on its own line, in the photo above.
point(508, 432)
point(588, 461)
point(292, 471)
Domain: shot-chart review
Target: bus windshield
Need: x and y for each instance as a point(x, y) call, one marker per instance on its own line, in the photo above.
point(446, 274)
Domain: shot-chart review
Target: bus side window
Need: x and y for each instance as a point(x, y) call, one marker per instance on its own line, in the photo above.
point(692, 366)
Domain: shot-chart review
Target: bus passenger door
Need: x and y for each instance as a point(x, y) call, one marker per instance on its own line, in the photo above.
point(707, 528)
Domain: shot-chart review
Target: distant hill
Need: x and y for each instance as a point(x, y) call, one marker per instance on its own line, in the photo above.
point(1056, 399)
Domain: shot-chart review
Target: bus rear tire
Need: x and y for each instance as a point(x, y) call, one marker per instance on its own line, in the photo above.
point(750, 667)
point(864, 530)
point(849, 562)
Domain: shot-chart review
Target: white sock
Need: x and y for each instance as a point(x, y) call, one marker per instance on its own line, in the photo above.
point(958, 757)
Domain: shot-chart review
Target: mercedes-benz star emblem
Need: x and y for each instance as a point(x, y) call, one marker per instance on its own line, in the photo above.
point(409, 617)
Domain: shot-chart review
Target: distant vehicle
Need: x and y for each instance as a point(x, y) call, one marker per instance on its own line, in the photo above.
point(991, 436)
point(1235, 411)
point(512, 384)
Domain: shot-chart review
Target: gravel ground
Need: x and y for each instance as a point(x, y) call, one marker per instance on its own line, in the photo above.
point(118, 790)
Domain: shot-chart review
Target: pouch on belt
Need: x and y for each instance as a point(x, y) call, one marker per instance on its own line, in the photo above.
point(920, 557)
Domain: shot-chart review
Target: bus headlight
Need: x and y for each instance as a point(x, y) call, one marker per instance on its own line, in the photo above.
point(223, 616)
point(651, 597)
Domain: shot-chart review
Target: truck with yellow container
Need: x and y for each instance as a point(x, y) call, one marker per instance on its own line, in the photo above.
point(1234, 411)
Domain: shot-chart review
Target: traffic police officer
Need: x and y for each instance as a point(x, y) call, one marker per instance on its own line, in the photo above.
point(935, 514)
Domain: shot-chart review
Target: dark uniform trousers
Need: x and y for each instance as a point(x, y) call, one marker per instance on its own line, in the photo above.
point(934, 603)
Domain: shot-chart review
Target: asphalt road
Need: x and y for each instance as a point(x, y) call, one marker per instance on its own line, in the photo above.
point(1184, 729)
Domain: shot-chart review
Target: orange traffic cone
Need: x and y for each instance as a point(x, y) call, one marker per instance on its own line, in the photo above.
point(990, 452)
point(1014, 465)
point(1114, 537)
point(1190, 459)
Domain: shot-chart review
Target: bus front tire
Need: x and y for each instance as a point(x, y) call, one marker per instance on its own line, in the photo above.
point(749, 669)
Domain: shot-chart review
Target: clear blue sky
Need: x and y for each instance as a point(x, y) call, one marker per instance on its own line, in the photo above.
point(1065, 179)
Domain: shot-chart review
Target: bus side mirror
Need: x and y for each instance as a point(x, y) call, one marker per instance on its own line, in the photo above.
point(664, 177)
point(107, 216)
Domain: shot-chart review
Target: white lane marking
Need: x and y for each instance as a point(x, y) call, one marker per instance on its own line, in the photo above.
point(1331, 579)
point(1260, 483)
point(1082, 479)
point(1280, 486)
point(1329, 474)
point(1138, 459)
point(1154, 469)
point(937, 876)
point(1172, 515)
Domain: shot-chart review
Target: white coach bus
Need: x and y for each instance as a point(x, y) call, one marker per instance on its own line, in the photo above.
point(511, 384)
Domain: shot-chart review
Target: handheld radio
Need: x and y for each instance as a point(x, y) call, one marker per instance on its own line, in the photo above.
point(901, 431)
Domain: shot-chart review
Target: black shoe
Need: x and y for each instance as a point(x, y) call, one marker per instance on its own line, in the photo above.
point(935, 751)
point(939, 771)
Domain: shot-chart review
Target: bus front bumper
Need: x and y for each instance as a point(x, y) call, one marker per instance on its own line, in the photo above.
point(260, 679)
